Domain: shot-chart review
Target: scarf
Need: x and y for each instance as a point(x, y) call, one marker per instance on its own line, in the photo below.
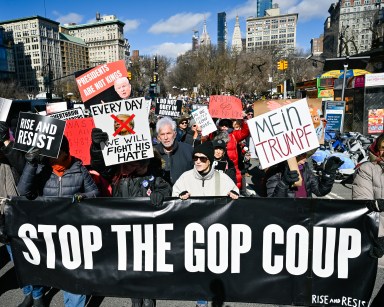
point(59, 169)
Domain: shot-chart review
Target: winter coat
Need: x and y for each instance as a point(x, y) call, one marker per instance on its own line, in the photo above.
point(198, 185)
point(176, 162)
point(318, 185)
point(369, 184)
point(235, 137)
point(190, 140)
point(230, 169)
point(40, 180)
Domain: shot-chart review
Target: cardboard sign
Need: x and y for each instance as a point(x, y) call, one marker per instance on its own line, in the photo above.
point(39, 131)
point(96, 85)
point(78, 132)
point(127, 126)
point(221, 106)
point(168, 107)
point(204, 120)
point(69, 114)
point(283, 133)
point(5, 106)
point(264, 106)
point(53, 107)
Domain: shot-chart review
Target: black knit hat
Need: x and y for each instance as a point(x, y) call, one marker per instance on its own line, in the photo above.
point(225, 122)
point(64, 145)
point(206, 149)
point(219, 144)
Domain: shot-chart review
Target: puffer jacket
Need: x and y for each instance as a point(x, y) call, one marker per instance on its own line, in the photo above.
point(235, 137)
point(40, 180)
point(198, 185)
point(142, 186)
point(319, 186)
point(369, 184)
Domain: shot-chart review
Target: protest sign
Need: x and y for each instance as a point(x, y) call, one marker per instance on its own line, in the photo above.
point(221, 106)
point(283, 133)
point(168, 107)
point(53, 107)
point(308, 252)
point(78, 132)
point(334, 114)
point(204, 120)
point(127, 126)
point(39, 131)
point(96, 85)
point(69, 114)
point(5, 106)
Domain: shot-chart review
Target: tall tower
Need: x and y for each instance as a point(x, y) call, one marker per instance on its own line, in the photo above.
point(261, 6)
point(222, 30)
point(205, 40)
point(237, 45)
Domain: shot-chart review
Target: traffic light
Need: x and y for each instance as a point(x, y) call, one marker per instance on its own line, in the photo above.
point(155, 77)
point(285, 64)
point(280, 65)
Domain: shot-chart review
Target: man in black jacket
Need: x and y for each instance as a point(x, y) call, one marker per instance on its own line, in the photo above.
point(176, 156)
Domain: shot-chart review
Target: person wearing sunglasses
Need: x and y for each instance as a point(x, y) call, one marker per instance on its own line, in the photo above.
point(203, 179)
point(193, 136)
point(182, 129)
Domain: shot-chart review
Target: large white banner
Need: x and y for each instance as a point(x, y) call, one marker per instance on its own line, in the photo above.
point(126, 123)
point(283, 133)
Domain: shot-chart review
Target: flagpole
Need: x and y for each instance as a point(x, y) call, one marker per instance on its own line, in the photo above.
point(344, 80)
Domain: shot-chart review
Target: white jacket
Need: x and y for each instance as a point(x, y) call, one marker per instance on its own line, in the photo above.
point(213, 184)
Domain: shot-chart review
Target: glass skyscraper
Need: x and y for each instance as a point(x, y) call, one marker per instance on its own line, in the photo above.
point(263, 5)
point(222, 30)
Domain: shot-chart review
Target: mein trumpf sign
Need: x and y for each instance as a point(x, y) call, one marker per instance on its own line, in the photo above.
point(283, 133)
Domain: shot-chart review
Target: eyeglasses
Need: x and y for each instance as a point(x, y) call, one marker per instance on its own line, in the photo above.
point(183, 123)
point(250, 114)
point(202, 159)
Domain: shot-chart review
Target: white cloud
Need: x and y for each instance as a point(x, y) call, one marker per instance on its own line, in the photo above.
point(307, 9)
point(131, 24)
point(69, 18)
point(179, 23)
point(170, 50)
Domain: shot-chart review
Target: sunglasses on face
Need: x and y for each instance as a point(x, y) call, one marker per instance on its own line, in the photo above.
point(202, 159)
point(183, 123)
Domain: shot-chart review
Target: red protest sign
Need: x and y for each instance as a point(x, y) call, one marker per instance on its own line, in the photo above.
point(78, 132)
point(221, 106)
point(100, 78)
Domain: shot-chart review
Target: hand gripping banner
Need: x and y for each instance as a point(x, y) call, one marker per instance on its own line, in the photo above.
point(309, 252)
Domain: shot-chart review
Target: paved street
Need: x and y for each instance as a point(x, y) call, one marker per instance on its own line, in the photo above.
point(10, 295)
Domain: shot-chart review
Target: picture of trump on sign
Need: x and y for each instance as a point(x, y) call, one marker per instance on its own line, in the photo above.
point(121, 128)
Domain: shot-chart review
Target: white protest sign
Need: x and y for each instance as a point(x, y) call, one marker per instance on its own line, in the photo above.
point(5, 106)
point(283, 133)
point(204, 120)
point(126, 123)
point(68, 114)
point(53, 107)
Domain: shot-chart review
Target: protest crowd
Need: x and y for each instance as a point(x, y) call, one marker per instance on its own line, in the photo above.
point(154, 156)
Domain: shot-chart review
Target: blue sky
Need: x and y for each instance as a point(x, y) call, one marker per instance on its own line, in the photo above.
point(165, 27)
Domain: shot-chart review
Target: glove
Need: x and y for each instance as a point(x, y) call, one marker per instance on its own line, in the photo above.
point(33, 155)
point(376, 205)
point(4, 131)
point(332, 164)
point(290, 177)
point(78, 197)
point(156, 199)
point(98, 136)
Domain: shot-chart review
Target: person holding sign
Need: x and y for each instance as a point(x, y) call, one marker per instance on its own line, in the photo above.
point(203, 180)
point(141, 178)
point(222, 162)
point(64, 176)
point(280, 179)
point(193, 136)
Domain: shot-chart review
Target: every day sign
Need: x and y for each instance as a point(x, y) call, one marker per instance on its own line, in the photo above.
point(126, 123)
point(39, 131)
point(283, 133)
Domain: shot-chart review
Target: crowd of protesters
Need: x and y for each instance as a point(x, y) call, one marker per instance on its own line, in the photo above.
point(185, 164)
